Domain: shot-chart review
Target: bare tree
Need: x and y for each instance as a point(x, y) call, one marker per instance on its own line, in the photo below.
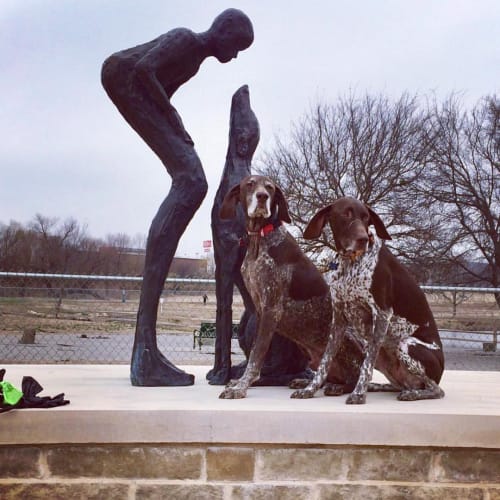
point(431, 171)
point(370, 148)
point(56, 244)
point(116, 247)
point(15, 248)
point(462, 177)
point(47, 245)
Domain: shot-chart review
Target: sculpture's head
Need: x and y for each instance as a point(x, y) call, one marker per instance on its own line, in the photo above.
point(230, 32)
point(244, 131)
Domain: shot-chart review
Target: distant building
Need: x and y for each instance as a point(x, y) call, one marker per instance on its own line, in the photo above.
point(181, 267)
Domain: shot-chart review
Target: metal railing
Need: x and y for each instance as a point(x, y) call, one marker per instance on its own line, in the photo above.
point(57, 318)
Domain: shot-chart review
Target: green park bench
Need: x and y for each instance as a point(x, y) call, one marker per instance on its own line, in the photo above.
point(207, 331)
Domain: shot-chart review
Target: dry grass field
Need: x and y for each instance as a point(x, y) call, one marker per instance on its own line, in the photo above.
point(469, 312)
point(181, 313)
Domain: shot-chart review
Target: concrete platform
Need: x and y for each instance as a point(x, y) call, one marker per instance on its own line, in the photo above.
point(106, 408)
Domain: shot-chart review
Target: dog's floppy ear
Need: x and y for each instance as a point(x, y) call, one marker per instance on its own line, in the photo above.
point(317, 223)
point(280, 200)
point(379, 225)
point(228, 208)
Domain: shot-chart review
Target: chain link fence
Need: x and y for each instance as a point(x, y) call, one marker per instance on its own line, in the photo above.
point(49, 318)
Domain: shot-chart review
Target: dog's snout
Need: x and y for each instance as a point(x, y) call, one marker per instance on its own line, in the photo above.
point(361, 242)
point(262, 196)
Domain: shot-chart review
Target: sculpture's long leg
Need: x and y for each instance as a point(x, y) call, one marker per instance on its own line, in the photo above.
point(119, 77)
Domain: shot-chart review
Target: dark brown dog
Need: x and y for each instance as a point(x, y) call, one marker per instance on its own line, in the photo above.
point(290, 295)
point(376, 299)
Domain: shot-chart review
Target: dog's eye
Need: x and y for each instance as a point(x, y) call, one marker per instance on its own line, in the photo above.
point(348, 213)
point(250, 183)
point(270, 187)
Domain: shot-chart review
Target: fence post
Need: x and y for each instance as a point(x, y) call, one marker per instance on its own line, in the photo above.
point(59, 302)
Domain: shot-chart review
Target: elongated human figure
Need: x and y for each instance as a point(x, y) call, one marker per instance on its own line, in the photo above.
point(227, 235)
point(284, 360)
point(141, 81)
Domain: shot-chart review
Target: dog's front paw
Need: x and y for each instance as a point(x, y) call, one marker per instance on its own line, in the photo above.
point(356, 399)
point(233, 382)
point(305, 393)
point(299, 383)
point(233, 393)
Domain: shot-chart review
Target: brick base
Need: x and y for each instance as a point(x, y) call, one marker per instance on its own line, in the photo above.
point(247, 472)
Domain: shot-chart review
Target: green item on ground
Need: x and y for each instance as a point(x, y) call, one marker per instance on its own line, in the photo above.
point(11, 395)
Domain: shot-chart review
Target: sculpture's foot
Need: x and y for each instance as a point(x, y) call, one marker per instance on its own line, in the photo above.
point(238, 370)
point(149, 368)
point(220, 376)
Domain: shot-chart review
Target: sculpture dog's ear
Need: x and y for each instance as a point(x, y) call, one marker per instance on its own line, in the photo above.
point(317, 223)
point(228, 208)
point(279, 199)
point(379, 225)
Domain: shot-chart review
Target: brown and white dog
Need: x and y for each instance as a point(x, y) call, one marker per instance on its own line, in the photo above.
point(290, 295)
point(376, 300)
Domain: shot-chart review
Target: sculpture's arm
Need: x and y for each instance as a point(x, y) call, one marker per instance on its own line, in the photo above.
point(165, 55)
point(148, 77)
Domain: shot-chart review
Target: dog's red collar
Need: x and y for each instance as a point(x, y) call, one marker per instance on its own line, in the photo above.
point(263, 232)
point(269, 228)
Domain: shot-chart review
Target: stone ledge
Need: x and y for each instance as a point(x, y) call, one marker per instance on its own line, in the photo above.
point(105, 408)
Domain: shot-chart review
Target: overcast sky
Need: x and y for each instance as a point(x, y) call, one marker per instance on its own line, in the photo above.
point(65, 151)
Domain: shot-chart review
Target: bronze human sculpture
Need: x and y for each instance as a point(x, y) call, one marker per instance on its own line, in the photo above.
point(284, 361)
point(141, 81)
point(227, 235)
